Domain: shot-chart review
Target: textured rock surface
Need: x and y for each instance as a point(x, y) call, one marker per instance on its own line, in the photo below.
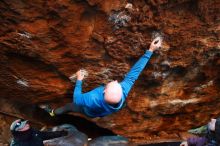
point(43, 42)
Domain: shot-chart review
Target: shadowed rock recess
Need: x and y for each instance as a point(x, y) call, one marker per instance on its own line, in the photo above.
point(42, 43)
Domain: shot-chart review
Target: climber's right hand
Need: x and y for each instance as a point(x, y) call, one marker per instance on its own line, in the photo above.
point(79, 75)
point(155, 44)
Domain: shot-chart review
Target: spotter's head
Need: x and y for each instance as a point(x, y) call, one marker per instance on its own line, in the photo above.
point(21, 130)
point(20, 125)
point(113, 92)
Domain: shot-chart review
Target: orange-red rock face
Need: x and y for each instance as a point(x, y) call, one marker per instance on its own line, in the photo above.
point(43, 42)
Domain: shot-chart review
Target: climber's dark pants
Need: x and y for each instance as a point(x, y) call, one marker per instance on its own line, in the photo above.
point(69, 107)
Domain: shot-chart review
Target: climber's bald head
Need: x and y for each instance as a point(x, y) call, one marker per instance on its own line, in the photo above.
point(113, 92)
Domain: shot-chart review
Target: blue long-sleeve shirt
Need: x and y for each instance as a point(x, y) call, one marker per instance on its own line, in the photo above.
point(93, 101)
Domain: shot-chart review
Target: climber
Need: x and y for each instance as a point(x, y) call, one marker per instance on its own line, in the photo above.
point(24, 135)
point(105, 100)
point(211, 135)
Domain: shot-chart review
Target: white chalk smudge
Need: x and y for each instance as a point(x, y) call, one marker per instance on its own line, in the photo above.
point(22, 82)
point(157, 34)
point(179, 102)
point(129, 6)
point(183, 102)
point(210, 83)
point(157, 75)
point(153, 104)
point(166, 62)
point(25, 35)
point(105, 70)
point(120, 19)
point(165, 74)
point(83, 72)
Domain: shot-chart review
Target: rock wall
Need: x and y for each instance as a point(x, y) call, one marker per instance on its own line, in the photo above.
point(42, 43)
